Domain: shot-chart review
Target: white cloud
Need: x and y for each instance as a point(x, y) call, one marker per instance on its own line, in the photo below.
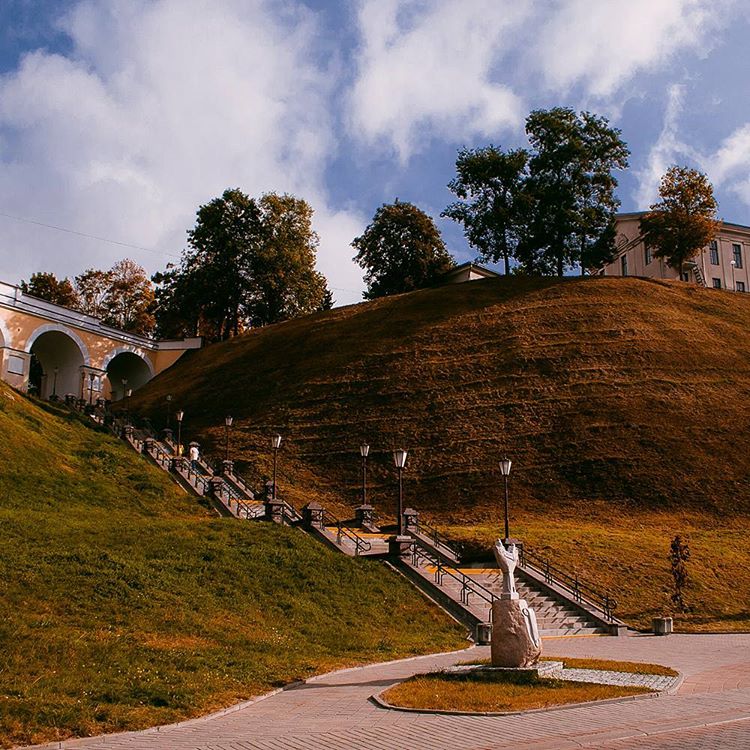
point(431, 67)
point(729, 166)
point(667, 150)
point(602, 45)
point(158, 108)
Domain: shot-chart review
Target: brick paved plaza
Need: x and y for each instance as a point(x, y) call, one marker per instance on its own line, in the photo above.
point(710, 710)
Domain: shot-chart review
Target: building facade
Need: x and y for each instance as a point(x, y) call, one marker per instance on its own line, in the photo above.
point(723, 264)
point(53, 351)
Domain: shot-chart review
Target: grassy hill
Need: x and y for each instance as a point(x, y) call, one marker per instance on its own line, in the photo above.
point(126, 604)
point(616, 399)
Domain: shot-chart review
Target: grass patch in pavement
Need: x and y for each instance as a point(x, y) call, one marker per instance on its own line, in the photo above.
point(602, 665)
point(440, 691)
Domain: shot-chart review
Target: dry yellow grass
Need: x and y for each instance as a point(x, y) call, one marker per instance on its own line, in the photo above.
point(624, 404)
point(439, 692)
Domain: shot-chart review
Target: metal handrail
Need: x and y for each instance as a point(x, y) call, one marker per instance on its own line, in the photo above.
point(468, 585)
point(240, 502)
point(582, 591)
point(360, 544)
point(422, 527)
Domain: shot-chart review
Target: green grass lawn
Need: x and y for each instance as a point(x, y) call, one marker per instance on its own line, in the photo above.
point(127, 604)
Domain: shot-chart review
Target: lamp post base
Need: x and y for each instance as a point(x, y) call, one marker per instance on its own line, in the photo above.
point(400, 546)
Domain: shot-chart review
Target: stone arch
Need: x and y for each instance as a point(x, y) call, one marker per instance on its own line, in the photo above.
point(5, 337)
point(48, 328)
point(126, 363)
point(57, 359)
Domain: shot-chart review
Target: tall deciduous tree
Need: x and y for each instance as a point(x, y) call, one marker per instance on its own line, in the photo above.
point(249, 262)
point(490, 184)
point(48, 287)
point(571, 189)
point(401, 250)
point(129, 302)
point(683, 220)
point(92, 287)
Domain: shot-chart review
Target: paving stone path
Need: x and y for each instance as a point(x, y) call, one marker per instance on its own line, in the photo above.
point(605, 677)
point(332, 712)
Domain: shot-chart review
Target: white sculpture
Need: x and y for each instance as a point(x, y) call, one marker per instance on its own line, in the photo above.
point(507, 559)
point(515, 634)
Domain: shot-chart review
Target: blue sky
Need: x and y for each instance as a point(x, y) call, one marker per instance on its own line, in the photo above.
point(118, 118)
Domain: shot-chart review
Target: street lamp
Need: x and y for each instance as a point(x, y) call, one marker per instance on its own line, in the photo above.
point(169, 411)
point(505, 465)
point(128, 394)
point(228, 425)
point(124, 385)
point(180, 414)
point(364, 451)
point(275, 444)
point(733, 263)
point(399, 458)
point(91, 388)
point(54, 383)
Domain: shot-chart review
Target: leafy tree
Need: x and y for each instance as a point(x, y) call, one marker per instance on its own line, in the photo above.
point(285, 282)
point(400, 250)
point(490, 184)
point(570, 189)
point(679, 555)
point(249, 262)
point(129, 302)
point(48, 287)
point(684, 220)
point(92, 287)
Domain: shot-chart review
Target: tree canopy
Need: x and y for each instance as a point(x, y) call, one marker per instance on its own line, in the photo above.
point(401, 250)
point(122, 297)
point(683, 220)
point(490, 184)
point(48, 287)
point(250, 262)
point(551, 207)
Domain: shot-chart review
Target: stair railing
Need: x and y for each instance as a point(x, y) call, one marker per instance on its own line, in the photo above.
point(422, 527)
point(360, 544)
point(468, 585)
point(582, 591)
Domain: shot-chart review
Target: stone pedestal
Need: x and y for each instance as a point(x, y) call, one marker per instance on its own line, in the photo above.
point(513, 642)
point(363, 515)
point(400, 546)
point(411, 518)
point(274, 511)
point(312, 515)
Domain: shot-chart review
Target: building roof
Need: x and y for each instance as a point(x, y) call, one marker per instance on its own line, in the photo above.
point(470, 266)
point(636, 214)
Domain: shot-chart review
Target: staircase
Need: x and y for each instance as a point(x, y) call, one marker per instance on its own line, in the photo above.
point(563, 605)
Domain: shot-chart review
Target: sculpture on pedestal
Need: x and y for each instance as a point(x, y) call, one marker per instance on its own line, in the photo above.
point(515, 635)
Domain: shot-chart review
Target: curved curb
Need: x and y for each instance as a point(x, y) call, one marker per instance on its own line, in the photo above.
point(378, 700)
point(73, 742)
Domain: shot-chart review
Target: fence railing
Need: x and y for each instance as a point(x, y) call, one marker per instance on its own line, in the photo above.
point(469, 587)
point(342, 531)
point(582, 592)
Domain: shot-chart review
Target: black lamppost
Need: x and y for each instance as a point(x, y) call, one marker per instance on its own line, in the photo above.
point(54, 383)
point(399, 458)
point(128, 394)
point(91, 388)
point(228, 426)
point(169, 411)
point(505, 465)
point(180, 414)
point(364, 451)
point(275, 444)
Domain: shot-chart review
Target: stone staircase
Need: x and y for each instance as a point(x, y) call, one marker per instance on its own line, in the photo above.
point(429, 561)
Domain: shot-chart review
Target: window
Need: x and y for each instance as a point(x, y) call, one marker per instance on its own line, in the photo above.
point(737, 253)
point(716, 283)
point(714, 246)
point(647, 257)
point(624, 265)
point(15, 365)
point(740, 286)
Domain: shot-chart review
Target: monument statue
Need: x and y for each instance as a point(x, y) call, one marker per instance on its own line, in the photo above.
point(515, 635)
